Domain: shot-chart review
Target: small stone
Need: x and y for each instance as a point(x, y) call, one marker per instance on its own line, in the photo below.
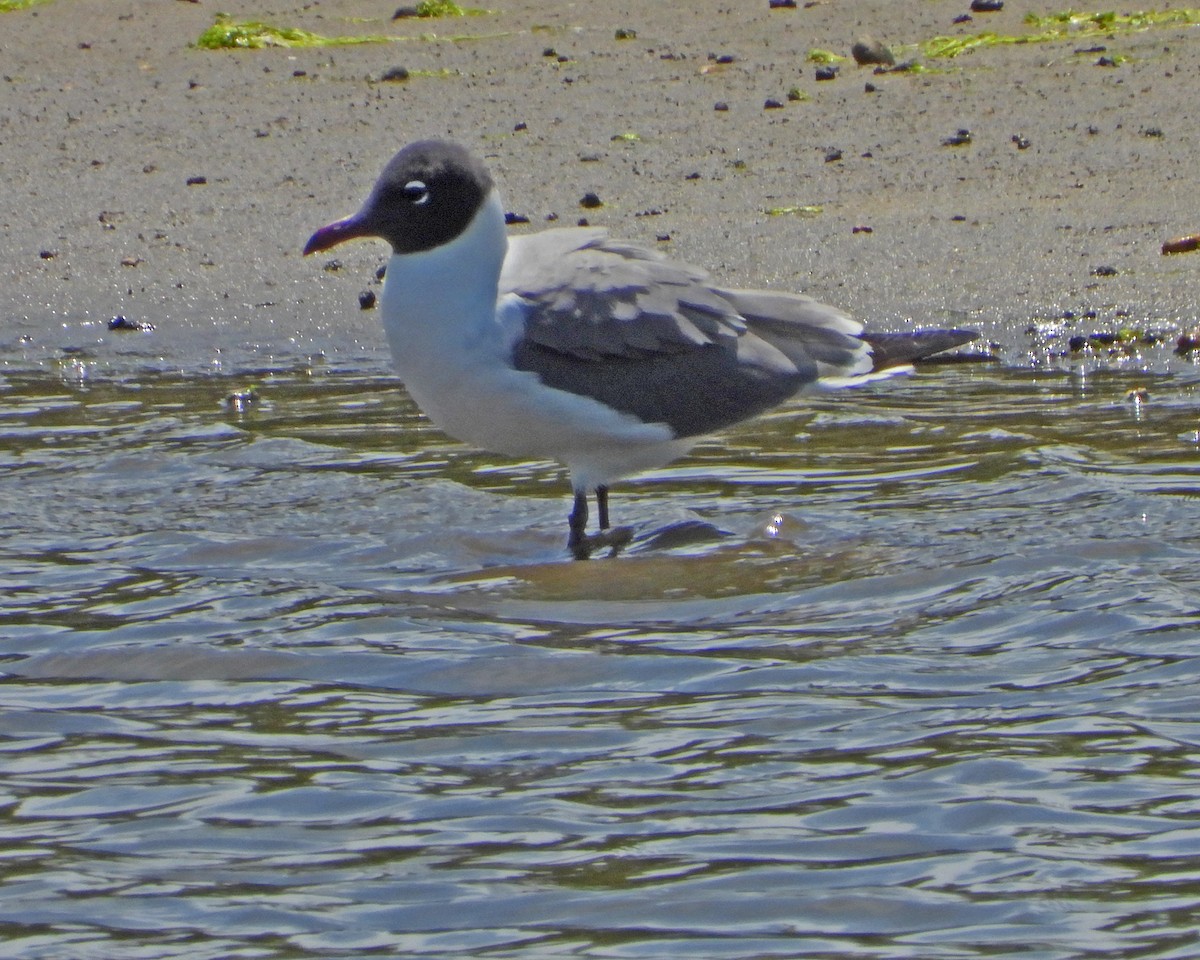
point(1178, 245)
point(781, 4)
point(961, 138)
point(240, 400)
point(1021, 142)
point(519, 126)
point(1188, 341)
point(590, 200)
point(772, 104)
point(48, 254)
point(721, 106)
point(381, 272)
point(1104, 271)
point(827, 72)
point(511, 218)
point(833, 156)
point(869, 50)
point(197, 181)
point(986, 6)
point(862, 229)
point(366, 300)
point(394, 75)
point(129, 326)
point(624, 33)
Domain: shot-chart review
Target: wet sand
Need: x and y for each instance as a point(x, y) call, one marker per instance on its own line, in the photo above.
point(107, 112)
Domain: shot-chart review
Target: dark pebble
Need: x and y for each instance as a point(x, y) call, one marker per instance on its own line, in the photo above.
point(781, 4)
point(197, 181)
point(402, 12)
point(394, 75)
point(129, 326)
point(963, 18)
point(299, 73)
point(721, 106)
point(833, 156)
point(624, 33)
point(1106, 62)
point(960, 139)
point(1188, 341)
point(332, 266)
point(366, 300)
point(827, 72)
point(48, 254)
point(986, 6)
point(240, 400)
point(381, 272)
point(1021, 142)
point(869, 87)
point(772, 104)
point(1104, 271)
point(511, 218)
point(589, 201)
point(519, 126)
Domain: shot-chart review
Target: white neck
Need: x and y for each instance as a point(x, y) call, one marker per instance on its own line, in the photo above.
point(450, 290)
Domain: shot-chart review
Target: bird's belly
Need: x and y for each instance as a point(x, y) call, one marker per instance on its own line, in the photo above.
point(511, 412)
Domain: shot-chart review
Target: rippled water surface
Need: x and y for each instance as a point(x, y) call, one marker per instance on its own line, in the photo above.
point(911, 671)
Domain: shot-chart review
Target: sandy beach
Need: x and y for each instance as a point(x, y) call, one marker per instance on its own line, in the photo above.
point(175, 186)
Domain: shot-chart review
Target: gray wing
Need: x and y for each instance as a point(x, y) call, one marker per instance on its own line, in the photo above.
point(654, 338)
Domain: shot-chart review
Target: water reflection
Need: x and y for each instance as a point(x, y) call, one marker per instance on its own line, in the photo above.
point(303, 678)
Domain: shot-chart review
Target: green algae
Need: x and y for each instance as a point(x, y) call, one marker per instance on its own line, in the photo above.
point(1067, 25)
point(229, 34)
point(447, 8)
point(807, 210)
point(817, 55)
point(7, 6)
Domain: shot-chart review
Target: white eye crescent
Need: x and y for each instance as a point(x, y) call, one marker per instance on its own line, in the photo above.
point(416, 192)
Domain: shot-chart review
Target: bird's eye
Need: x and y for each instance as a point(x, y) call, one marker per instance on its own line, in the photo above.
point(416, 192)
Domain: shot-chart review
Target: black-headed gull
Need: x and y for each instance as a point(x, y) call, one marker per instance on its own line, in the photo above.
point(569, 345)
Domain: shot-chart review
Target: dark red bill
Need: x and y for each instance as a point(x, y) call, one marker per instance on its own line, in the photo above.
point(337, 232)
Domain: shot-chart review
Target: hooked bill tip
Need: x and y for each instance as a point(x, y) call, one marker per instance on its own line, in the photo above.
point(334, 233)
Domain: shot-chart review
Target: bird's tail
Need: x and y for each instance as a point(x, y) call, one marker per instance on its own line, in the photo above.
point(899, 349)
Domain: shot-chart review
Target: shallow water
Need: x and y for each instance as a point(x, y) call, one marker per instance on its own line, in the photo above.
point(911, 671)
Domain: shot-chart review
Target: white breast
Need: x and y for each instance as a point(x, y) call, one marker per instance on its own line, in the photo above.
point(452, 345)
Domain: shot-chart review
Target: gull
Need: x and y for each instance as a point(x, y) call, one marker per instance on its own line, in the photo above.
point(570, 345)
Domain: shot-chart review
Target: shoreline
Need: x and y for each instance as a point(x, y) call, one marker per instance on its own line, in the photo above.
point(174, 186)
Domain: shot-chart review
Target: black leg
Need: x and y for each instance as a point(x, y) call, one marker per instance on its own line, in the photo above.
point(582, 545)
point(578, 522)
